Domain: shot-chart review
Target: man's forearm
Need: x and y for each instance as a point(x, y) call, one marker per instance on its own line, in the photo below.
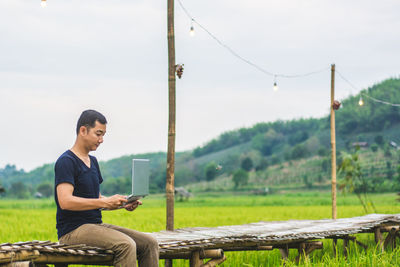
point(80, 204)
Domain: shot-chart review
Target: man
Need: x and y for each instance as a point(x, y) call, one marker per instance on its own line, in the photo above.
point(78, 199)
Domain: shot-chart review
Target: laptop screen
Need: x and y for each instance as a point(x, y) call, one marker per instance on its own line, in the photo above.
point(140, 177)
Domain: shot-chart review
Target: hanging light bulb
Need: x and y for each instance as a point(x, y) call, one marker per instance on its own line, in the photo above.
point(361, 101)
point(191, 29)
point(43, 3)
point(275, 85)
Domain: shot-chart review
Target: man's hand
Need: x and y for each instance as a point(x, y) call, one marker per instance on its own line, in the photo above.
point(114, 202)
point(132, 206)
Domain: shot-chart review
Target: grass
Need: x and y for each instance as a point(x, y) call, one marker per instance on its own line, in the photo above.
point(22, 220)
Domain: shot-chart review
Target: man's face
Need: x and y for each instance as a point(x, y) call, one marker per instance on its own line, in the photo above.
point(93, 137)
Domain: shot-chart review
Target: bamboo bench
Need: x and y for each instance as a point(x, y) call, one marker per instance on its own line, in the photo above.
point(198, 244)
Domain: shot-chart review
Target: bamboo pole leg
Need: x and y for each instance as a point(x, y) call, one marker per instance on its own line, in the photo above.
point(379, 238)
point(284, 252)
point(334, 247)
point(345, 247)
point(214, 262)
point(195, 260)
point(306, 248)
point(168, 262)
point(301, 252)
point(361, 244)
point(391, 238)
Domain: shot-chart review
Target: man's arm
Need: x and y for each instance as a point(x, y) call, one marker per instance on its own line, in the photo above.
point(68, 201)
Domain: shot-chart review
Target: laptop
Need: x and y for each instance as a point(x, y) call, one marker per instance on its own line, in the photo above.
point(140, 179)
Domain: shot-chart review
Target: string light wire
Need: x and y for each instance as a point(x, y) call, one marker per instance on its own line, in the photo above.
point(234, 53)
point(364, 94)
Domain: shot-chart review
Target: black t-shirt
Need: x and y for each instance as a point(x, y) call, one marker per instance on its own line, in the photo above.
point(86, 181)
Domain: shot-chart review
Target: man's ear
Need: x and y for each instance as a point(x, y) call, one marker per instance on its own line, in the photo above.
point(83, 130)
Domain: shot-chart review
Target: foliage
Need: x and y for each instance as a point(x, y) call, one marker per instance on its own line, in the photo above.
point(299, 151)
point(211, 171)
point(353, 179)
point(307, 182)
point(379, 140)
point(119, 185)
point(46, 189)
point(240, 177)
point(374, 147)
point(265, 142)
point(262, 165)
point(19, 190)
point(247, 164)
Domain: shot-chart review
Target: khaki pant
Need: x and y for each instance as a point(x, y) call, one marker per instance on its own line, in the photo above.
point(128, 245)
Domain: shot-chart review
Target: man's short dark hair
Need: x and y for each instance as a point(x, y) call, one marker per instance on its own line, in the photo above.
point(88, 119)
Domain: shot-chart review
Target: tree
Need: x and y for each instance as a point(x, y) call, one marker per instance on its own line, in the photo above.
point(387, 151)
point(353, 180)
point(262, 165)
point(211, 171)
point(46, 189)
point(19, 190)
point(247, 164)
point(322, 151)
point(379, 140)
point(240, 177)
point(398, 177)
point(275, 160)
point(307, 182)
point(265, 142)
point(326, 164)
point(299, 151)
point(389, 171)
point(374, 147)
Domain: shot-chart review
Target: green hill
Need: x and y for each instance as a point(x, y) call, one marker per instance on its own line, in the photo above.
point(280, 154)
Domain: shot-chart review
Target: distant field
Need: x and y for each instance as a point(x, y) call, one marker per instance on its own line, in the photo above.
point(22, 220)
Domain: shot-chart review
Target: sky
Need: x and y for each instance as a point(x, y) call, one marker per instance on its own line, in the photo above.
point(112, 56)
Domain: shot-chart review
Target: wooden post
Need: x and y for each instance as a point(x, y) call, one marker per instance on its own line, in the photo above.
point(379, 238)
point(345, 247)
point(169, 187)
point(284, 252)
point(334, 247)
point(195, 260)
point(333, 143)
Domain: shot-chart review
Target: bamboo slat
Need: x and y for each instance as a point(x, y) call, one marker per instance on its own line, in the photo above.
point(182, 243)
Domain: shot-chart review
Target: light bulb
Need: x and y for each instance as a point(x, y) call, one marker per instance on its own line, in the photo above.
point(275, 87)
point(191, 30)
point(361, 101)
point(43, 3)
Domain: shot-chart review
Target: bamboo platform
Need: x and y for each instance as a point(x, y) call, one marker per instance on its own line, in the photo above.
point(197, 244)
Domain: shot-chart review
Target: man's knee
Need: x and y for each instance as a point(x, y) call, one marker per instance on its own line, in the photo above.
point(127, 245)
point(152, 243)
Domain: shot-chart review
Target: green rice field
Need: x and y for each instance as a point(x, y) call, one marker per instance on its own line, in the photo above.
point(23, 220)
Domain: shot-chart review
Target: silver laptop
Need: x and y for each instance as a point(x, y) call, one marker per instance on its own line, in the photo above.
point(140, 179)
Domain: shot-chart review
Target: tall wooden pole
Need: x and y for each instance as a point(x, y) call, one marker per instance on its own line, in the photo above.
point(171, 122)
point(333, 142)
point(169, 187)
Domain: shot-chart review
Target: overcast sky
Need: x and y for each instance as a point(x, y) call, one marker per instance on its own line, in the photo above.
point(112, 56)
